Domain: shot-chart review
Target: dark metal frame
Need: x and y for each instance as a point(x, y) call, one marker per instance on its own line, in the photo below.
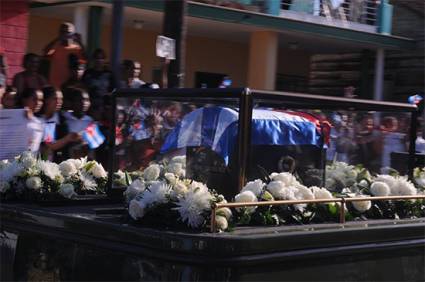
point(247, 99)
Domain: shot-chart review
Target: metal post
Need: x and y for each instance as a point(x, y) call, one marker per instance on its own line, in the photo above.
point(378, 94)
point(244, 138)
point(412, 144)
point(117, 28)
point(174, 26)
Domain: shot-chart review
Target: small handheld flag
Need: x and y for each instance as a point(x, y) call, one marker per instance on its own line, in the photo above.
point(138, 131)
point(93, 136)
point(49, 133)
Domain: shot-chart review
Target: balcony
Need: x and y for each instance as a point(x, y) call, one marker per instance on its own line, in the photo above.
point(358, 15)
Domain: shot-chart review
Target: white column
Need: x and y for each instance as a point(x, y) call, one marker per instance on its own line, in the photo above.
point(378, 94)
point(81, 22)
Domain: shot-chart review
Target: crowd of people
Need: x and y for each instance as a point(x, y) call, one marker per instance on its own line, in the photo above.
point(66, 103)
point(370, 138)
point(65, 100)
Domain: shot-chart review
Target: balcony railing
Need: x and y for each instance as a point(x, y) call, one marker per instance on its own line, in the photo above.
point(357, 11)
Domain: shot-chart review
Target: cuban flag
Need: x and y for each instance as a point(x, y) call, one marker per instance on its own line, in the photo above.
point(415, 99)
point(139, 131)
point(217, 128)
point(49, 133)
point(93, 136)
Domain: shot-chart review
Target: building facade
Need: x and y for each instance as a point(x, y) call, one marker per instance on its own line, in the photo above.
point(271, 44)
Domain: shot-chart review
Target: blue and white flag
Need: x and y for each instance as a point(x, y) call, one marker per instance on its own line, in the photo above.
point(49, 132)
point(217, 128)
point(139, 131)
point(93, 136)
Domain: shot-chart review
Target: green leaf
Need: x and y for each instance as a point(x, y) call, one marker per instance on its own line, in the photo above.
point(332, 209)
point(128, 180)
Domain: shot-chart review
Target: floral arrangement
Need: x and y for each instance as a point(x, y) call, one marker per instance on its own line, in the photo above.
point(27, 175)
point(419, 176)
point(340, 175)
point(282, 186)
point(343, 181)
point(162, 195)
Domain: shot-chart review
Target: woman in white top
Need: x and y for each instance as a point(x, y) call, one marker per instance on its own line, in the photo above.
point(54, 139)
point(32, 100)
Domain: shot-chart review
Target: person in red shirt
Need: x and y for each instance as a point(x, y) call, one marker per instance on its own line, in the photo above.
point(67, 43)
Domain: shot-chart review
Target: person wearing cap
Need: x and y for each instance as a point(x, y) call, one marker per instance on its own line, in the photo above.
point(68, 42)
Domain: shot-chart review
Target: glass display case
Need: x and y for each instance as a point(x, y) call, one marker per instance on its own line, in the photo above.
point(230, 136)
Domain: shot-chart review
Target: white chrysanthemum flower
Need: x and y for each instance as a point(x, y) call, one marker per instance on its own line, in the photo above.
point(255, 187)
point(136, 187)
point(151, 173)
point(351, 174)
point(98, 171)
point(79, 163)
point(362, 206)
point(379, 188)
point(178, 190)
point(226, 212)
point(286, 178)
point(33, 183)
point(67, 190)
point(363, 183)
point(420, 180)
point(171, 178)
point(176, 168)
point(388, 179)
point(221, 222)
point(303, 193)
point(67, 168)
point(179, 159)
point(281, 192)
point(89, 183)
point(28, 160)
point(246, 197)
point(136, 209)
point(193, 205)
point(321, 193)
point(4, 186)
point(49, 169)
point(403, 187)
point(12, 170)
point(156, 193)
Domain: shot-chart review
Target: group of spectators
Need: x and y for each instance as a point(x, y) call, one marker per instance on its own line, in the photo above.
point(370, 138)
point(62, 98)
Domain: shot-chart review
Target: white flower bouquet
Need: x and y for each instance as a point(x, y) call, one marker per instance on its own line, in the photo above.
point(31, 178)
point(281, 186)
point(162, 196)
point(359, 183)
point(340, 175)
point(86, 177)
point(385, 185)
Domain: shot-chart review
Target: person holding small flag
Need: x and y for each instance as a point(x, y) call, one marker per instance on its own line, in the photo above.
point(56, 135)
point(77, 121)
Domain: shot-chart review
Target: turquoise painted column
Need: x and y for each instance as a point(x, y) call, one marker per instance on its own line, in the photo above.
point(272, 7)
point(385, 17)
point(94, 29)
